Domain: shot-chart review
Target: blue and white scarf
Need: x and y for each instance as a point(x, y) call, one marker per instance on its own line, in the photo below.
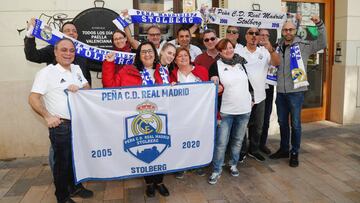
point(297, 68)
point(146, 78)
point(44, 32)
point(139, 16)
point(164, 74)
point(271, 77)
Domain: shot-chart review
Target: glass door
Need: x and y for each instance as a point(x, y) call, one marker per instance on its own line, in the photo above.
point(316, 102)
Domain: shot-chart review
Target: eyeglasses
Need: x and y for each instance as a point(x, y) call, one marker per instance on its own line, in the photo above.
point(288, 29)
point(209, 39)
point(232, 32)
point(149, 51)
point(154, 34)
point(119, 38)
point(253, 33)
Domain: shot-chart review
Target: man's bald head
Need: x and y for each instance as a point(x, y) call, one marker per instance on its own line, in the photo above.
point(288, 31)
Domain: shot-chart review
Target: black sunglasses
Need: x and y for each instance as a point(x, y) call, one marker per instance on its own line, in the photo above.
point(208, 39)
point(252, 33)
point(232, 31)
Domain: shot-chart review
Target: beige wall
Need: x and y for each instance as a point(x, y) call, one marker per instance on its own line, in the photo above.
point(345, 90)
point(22, 132)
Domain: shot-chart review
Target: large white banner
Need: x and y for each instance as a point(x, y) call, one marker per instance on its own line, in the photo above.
point(139, 131)
point(260, 19)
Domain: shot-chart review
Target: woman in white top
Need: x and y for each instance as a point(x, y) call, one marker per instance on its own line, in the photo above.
point(235, 106)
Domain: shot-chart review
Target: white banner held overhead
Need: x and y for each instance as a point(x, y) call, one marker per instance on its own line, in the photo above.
point(222, 16)
point(139, 131)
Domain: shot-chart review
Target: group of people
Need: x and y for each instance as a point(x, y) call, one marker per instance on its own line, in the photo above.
point(245, 100)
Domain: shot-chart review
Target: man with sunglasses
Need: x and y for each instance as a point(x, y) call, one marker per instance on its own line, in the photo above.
point(258, 58)
point(211, 54)
point(291, 85)
point(232, 33)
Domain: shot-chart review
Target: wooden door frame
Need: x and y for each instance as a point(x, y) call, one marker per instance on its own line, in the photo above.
point(323, 113)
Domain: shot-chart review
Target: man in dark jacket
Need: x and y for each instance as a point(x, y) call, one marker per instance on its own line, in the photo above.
point(291, 85)
point(46, 54)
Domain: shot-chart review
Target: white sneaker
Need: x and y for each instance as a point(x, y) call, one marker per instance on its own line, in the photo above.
point(214, 178)
point(234, 171)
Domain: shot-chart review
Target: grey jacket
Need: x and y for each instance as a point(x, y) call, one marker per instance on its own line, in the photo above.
point(285, 83)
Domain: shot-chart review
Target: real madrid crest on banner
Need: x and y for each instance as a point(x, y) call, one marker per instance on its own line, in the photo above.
point(146, 134)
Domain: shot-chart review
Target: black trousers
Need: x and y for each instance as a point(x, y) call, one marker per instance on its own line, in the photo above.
point(255, 128)
point(268, 109)
point(155, 179)
point(60, 138)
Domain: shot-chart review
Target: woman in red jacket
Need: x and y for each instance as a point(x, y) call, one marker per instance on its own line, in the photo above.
point(185, 71)
point(144, 66)
point(146, 70)
point(120, 43)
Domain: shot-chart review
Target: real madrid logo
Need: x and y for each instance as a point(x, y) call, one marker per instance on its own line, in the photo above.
point(260, 56)
point(298, 75)
point(46, 33)
point(146, 136)
point(147, 121)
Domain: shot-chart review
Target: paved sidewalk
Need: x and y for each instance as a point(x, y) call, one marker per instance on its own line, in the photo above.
point(329, 171)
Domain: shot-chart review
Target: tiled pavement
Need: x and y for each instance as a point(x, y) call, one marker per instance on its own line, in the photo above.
point(329, 171)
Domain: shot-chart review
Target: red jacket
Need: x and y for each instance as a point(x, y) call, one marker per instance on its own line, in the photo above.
point(199, 71)
point(128, 75)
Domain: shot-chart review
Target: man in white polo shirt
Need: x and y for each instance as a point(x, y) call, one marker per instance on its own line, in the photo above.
point(258, 60)
point(49, 100)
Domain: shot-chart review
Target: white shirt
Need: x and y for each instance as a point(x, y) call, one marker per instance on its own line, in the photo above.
point(51, 82)
point(257, 67)
point(236, 98)
point(151, 73)
point(187, 78)
point(160, 46)
point(238, 48)
point(194, 50)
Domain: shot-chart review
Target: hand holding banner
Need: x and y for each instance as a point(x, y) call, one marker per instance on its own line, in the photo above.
point(140, 131)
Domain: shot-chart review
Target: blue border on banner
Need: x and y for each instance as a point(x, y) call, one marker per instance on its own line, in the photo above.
point(76, 181)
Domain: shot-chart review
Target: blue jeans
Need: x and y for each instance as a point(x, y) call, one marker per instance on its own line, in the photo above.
point(60, 138)
point(290, 104)
point(239, 124)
